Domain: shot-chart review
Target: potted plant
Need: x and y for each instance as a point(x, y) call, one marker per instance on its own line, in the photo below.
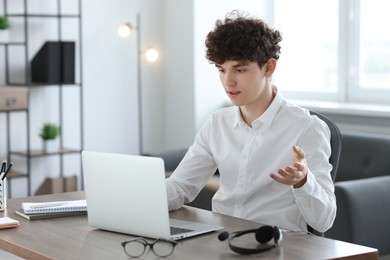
point(4, 26)
point(49, 131)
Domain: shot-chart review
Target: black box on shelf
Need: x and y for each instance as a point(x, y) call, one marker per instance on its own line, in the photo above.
point(54, 63)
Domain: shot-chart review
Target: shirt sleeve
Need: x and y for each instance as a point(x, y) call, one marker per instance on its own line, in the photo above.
point(193, 172)
point(316, 199)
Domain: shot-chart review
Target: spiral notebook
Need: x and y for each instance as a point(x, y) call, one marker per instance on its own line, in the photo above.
point(54, 206)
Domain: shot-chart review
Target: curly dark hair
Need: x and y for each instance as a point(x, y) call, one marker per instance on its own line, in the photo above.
point(238, 37)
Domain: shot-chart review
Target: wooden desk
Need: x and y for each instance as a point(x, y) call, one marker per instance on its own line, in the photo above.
point(73, 238)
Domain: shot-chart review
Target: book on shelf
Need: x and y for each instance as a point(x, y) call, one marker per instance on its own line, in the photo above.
point(49, 215)
point(54, 207)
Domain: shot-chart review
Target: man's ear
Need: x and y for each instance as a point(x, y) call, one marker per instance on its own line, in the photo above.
point(270, 67)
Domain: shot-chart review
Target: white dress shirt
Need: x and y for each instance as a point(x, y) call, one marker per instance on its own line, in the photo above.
point(246, 156)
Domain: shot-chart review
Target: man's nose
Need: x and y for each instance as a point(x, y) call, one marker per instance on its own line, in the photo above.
point(228, 79)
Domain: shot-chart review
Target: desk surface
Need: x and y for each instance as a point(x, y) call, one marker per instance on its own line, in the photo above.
point(73, 238)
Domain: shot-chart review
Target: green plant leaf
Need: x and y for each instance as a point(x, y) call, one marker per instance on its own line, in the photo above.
point(4, 24)
point(50, 131)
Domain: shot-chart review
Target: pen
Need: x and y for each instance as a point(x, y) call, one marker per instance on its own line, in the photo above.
point(7, 171)
point(48, 205)
point(3, 165)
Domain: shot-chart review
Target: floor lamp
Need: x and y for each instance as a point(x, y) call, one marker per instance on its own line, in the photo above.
point(151, 55)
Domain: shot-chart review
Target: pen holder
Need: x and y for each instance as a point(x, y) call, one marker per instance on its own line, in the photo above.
point(3, 194)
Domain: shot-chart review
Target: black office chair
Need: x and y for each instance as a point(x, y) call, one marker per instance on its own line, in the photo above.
point(335, 145)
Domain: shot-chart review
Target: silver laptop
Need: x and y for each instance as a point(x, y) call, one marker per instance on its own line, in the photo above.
point(127, 194)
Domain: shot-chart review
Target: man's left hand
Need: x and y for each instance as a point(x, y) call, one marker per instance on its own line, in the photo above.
point(295, 174)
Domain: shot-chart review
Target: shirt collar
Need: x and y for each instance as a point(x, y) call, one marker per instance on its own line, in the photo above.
point(267, 117)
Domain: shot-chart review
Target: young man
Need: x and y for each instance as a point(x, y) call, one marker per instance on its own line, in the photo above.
point(272, 156)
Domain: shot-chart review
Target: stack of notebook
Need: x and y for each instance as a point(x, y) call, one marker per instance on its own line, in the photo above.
point(52, 209)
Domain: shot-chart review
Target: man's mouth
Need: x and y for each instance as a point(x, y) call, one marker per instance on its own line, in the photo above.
point(233, 93)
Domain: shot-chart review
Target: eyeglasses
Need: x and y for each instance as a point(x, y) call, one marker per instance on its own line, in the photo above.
point(136, 247)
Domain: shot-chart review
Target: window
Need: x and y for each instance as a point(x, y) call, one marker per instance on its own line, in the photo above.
point(334, 50)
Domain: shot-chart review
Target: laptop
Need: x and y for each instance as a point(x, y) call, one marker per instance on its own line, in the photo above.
point(127, 194)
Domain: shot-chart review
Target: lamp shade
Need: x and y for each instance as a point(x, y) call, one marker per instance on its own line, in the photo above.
point(125, 29)
point(151, 55)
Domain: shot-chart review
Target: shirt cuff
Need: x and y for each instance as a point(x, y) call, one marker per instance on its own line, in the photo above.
point(307, 188)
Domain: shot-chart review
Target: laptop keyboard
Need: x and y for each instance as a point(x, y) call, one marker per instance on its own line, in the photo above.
point(178, 230)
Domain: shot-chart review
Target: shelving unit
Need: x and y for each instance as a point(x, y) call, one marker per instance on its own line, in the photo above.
point(29, 153)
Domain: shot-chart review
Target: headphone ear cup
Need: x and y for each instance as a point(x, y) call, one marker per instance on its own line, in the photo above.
point(223, 236)
point(277, 235)
point(264, 234)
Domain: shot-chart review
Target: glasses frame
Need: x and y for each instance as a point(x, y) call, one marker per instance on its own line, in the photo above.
point(143, 241)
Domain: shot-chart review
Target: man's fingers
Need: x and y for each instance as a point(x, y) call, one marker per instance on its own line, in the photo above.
point(294, 174)
point(299, 152)
point(299, 166)
point(280, 179)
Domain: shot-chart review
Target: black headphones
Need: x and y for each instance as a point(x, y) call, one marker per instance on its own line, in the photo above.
point(263, 235)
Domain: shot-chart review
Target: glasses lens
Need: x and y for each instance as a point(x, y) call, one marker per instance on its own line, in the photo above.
point(134, 248)
point(163, 248)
